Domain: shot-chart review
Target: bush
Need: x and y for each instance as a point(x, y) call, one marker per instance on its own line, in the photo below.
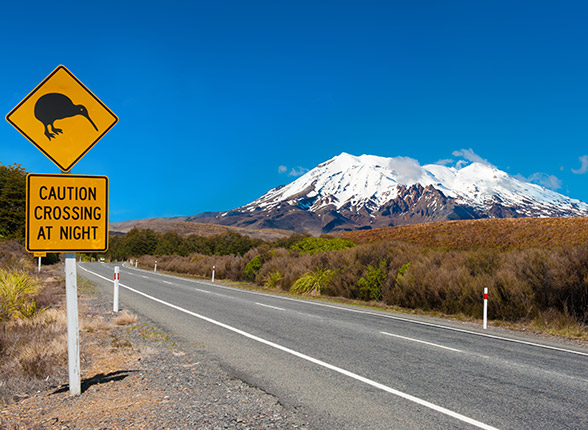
point(12, 202)
point(137, 243)
point(14, 256)
point(372, 284)
point(271, 280)
point(313, 282)
point(253, 267)
point(314, 245)
point(17, 289)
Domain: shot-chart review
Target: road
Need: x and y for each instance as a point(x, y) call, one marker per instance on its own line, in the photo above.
point(348, 367)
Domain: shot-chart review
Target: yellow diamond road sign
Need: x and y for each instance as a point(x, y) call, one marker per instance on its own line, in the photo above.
point(66, 213)
point(62, 118)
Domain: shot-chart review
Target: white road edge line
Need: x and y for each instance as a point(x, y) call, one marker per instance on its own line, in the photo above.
point(421, 341)
point(271, 307)
point(318, 362)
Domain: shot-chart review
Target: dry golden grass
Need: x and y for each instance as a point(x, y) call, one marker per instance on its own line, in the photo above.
point(125, 318)
point(34, 347)
point(185, 228)
point(544, 233)
point(95, 324)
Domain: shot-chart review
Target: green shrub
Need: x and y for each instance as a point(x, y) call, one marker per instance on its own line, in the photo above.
point(372, 284)
point(12, 201)
point(137, 243)
point(402, 272)
point(313, 282)
point(272, 279)
point(253, 267)
point(314, 245)
point(17, 289)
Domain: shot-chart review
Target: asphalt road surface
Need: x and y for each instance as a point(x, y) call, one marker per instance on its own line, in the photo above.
point(348, 367)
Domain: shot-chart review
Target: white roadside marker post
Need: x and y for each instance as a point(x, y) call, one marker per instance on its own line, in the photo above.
point(213, 270)
point(116, 280)
point(485, 308)
point(155, 268)
point(73, 332)
point(136, 263)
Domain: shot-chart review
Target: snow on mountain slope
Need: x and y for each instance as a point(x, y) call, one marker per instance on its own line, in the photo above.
point(369, 182)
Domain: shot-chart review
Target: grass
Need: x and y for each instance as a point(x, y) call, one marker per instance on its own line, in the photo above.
point(17, 291)
point(33, 323)
point(313, 283)
point(153, 334)
point(33, 349)
point(33, 332)
point(86, 287)
point(544, 233)
point(125, 318)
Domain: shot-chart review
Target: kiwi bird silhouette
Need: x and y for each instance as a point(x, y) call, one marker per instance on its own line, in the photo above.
point(53, 106)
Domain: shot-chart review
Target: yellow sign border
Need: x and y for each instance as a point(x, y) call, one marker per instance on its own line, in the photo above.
point(65, 168)
point(64, 248)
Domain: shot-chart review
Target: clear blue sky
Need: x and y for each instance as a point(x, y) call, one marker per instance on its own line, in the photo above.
point(220, 101)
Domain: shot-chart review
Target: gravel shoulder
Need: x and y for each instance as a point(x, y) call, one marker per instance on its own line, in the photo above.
point(136, 377)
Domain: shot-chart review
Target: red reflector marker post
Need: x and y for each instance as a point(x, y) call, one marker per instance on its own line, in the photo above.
point(485, 308)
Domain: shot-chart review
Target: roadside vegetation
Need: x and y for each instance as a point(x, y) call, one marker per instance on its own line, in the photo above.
point(12, 201)
point(33, 329)
point(542, 287)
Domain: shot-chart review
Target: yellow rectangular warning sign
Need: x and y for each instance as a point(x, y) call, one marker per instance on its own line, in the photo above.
point(66, 213)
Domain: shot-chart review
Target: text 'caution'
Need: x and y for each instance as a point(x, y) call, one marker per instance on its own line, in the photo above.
point(67, 213)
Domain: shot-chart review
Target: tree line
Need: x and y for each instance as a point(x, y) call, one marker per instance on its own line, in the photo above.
point(148, 242)
point(12, 202)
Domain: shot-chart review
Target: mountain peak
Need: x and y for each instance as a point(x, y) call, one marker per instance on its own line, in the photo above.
point(350, 192)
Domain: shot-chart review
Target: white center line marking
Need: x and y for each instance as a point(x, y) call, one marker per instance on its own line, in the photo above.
point(316, 361)
point(420, 341)
point(271, 307)
point(167, 282)
point(214, 294)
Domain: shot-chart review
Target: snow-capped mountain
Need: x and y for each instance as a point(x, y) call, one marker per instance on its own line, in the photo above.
point(349, 192)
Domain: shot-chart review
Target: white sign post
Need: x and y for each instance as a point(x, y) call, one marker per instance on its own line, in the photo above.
point(73, 332)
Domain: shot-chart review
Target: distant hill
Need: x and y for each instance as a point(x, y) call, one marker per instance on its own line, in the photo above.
point(485, 233)
point(350, 193)
point(184, 228)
